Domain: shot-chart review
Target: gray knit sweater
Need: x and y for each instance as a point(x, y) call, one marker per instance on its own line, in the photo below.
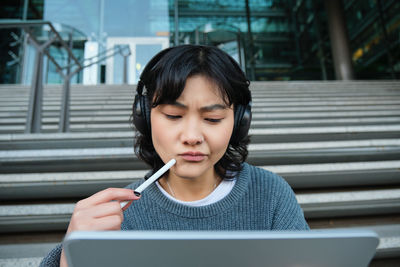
point(260, 200)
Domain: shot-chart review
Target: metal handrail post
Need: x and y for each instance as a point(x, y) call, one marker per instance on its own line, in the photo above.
point(63, 125)
point(125, 69)
point(34, 116)
point(65, 99)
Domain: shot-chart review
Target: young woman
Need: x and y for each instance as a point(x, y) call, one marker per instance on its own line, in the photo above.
point(193, 104)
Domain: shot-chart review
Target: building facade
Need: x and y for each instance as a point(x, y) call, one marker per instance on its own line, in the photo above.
point(271, 39)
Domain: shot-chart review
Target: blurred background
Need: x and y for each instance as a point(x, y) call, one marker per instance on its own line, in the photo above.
point(271, 39)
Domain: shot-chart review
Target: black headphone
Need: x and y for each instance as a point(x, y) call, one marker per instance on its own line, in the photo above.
point(141, 111)
point(141, 116)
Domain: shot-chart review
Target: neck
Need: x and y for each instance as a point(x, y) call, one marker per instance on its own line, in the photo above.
point(189, 189)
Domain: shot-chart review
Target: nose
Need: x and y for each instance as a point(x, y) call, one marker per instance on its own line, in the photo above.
point(191, 133)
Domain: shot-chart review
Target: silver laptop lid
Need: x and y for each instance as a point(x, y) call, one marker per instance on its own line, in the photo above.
point(215, 248)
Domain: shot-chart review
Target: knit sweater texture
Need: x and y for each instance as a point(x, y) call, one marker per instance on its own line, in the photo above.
point(260, 200)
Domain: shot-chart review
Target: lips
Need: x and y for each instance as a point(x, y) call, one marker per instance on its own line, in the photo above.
point(193, 156)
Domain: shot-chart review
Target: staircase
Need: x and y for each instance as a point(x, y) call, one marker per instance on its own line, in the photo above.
point(336, 143)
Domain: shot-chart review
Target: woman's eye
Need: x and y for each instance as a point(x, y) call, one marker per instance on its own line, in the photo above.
point(213, 120)
point(173, 117)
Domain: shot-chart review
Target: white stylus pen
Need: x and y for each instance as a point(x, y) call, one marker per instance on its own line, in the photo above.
point(151, 180)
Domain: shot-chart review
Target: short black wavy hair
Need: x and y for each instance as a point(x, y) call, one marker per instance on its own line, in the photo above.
point(164, 79)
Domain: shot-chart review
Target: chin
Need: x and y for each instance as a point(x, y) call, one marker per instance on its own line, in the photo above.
point(190, 171)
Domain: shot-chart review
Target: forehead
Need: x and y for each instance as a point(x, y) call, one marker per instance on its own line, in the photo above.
point(201, 89)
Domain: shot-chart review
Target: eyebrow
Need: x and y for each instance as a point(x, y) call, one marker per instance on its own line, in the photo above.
point(202, 109)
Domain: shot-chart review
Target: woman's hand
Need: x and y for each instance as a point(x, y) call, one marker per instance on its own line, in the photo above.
point(101, 211)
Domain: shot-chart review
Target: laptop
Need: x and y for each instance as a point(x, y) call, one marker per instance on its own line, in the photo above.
point(326, 248)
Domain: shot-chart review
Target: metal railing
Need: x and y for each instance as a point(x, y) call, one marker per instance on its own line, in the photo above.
point(34, 115)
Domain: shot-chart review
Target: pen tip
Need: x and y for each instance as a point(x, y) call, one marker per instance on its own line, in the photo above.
point(137, 193)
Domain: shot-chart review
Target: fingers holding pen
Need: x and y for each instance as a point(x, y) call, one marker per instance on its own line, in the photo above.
point(104, 210)
point(107, 195)
point(101, 211)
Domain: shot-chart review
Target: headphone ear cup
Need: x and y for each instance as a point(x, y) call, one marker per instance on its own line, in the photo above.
point(146, 112)
point(141, 114)
point(242, 120)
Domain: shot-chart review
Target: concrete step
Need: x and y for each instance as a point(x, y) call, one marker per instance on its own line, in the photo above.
point(324, 122)
point(356, 85)
point(24, 159)
point(66, 140)
point(104, 120)
point(323, 114)
point(80, 184)
point(270, 135)
point(258, 135)
point(257, 88)
point(265, 113)
point(28, 217)
point(51, 117)
point(257, 107)
point(259, 102)
point(302, 134)
point(74, 128)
